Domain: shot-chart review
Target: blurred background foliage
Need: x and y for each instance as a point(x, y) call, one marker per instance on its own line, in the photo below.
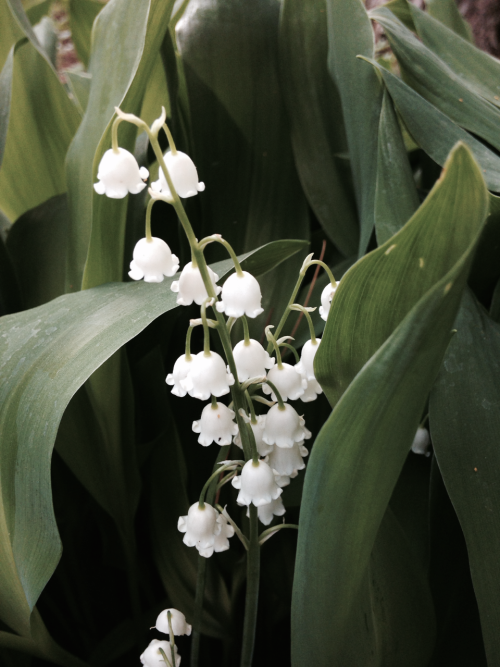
point(304, 147)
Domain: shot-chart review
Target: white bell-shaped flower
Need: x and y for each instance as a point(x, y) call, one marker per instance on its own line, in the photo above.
point(178, 621)
point(152, 261)
point(152, 656)
point(215, 425)
point(190, 285)
point(119, 174)
point(306, 364)
point(207, 375)
point(284, 480)
point(326, 300)
point(290, 384)
point(200, 526)
point(286, 461)
point(183, 174)
point(251, 360)
point(240, 296)
point(312, 391)
point(284, 427)
point(221, 542)
point(257, 484)
point(272, 509)
point(421, 442)
point(181, 368)
point(258, 430)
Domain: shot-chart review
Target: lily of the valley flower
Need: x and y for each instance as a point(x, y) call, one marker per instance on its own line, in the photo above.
point(177, 620)
point(181, 368)
point(221, 542)
point(286, 461)
point(290, 384)
point(312, 391)
point(119, 174)
point(200, 526)
point(152, 656)
point(240, 296)
point(268, 512)
point(183, 174)
point(152, 260)
point(215, 425)
point(421, 442)
point(306, 364)
point(251, 359)
point(190, 285)
point(257, 484)
point(326, 300)
point(207, 375)
point(284, 427)
point(258, 430)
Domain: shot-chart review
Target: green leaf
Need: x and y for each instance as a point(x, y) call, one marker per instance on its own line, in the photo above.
point(317, 127)
point(46, 355)
point(79, 83)
point(477, 69)
point(465, 429)
point(350, 34)
point(434, 132)
point(433, 79)
point(5, 99)
point(10, 33)
point(41, 123)
point(81, 19)
point(128, 32)
point(396, 320)
point(447, 12)
point(396, 198)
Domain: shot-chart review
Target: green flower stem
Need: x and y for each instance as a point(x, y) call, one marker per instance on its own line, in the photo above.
point(291, 347)
point(238, 532)
point(170, 139)
point(266, 534)
point(206, 329)
point(252, 592)
point(281, 403)
point(246, 331)
point(306, 312)
point(217, 238)
point(166, 660)
point(148, 220)
point(273, 342)
point(188, 342)
point(114, 134)
point(213, 476)
point(172, 637)
point(326, 267)
point(286, 312)
point(215, 405)
point(250, 407)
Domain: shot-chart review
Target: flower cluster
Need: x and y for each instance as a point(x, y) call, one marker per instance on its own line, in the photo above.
point(162, 652)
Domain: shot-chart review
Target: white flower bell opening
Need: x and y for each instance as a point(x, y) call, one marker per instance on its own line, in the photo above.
point(258, 430)
point(284, 427)
point(286, 461)
point(240, 296)
point(207, 375)
point(183, 174)
point(200, 526)
point(152, 260)
point(312, 391)
point(326, 300)
point(215, 425)
point(152, 656)
point(181, 368)
point(119, 174)
point(268, 512)
point(178, 621)
point(284, 480)
point(421, 442)
point(306, 364)
point(257, 484)
point(221, 542)
point(290, 384)
point(190, 285)
point(251, 360)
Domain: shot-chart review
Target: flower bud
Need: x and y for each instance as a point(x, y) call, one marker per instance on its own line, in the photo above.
point(256, 484)
point(178, 621)
point(179, 373)
point(290, 384)
point(251, 360)
point(200, 526)
point(119, 174)
point(152, 260)
point(326, 300)
point(258, 430)
point(183, 174)
point(421, 442)
point(152, 656)
point(190, 285)
point(215, 425)
point(284, 427)
point(286, 461)
point(240, 296)
point(207, 375)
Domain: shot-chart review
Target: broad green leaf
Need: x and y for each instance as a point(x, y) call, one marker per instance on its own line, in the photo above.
point(379, 291)
point(477, 69)
point(433, 79)
point(5, 98)
point(317, 127)
point(485, 271)
point(358, 455)
point(128, 32)
point(79, 84)
point(349, 35)
point(447, 12)
point(396, 198)
point(81, 18)
point(24, 25)
point(41, 124)
point(10, 33)
point(46, 355)
point(435, 133)
point(465, 428)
